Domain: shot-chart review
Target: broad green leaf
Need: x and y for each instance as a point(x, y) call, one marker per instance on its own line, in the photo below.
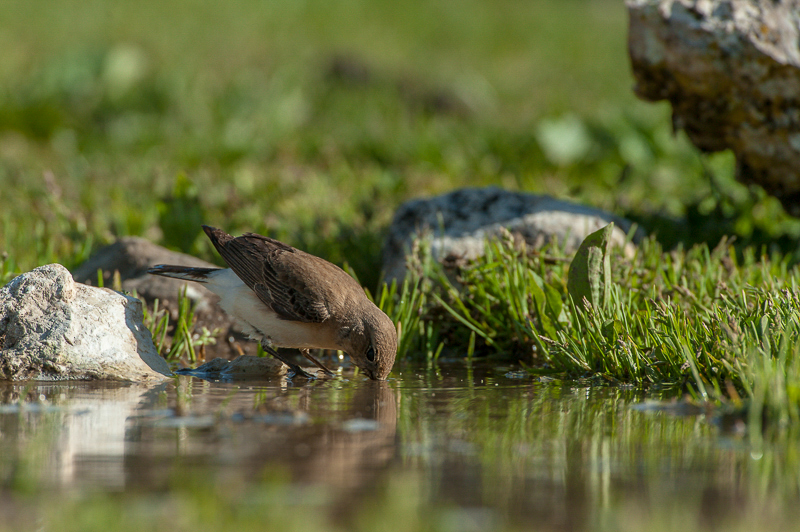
point(554, 302)
point(590, 270)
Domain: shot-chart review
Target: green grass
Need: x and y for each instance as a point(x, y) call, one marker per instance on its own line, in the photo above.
point(311, 122)
point(719, 325)
point(183, 340)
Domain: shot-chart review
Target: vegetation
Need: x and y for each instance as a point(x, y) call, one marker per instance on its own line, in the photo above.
point(148, 119)
point(179, 341)
point(721, 326)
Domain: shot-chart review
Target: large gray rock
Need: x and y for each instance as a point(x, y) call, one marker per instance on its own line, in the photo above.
point(731, 70)
point(459, 223)
point(52, 328)
point(132, 256)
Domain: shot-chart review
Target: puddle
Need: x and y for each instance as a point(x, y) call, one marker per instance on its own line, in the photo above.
point(483, 448)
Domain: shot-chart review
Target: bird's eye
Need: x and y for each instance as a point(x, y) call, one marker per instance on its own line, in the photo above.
point(371, 354)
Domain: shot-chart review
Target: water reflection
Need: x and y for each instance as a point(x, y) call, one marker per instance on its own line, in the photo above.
point(483, 447)
point(335, 435)
point(68, 434)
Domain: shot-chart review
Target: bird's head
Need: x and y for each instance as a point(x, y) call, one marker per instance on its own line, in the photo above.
point(373, 345)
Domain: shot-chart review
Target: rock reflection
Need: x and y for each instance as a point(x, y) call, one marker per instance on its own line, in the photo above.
point(68, 434)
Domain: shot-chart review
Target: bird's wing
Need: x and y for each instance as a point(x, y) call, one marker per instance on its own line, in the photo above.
point(275, 272)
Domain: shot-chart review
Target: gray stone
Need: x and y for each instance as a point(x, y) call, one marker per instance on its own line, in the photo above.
point(132, 256)
point(244, 367)
point(458, 224)
point(731, 70)
point(52, 328)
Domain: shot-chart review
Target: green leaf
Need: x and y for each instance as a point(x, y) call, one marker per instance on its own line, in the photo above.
point(540, 302)
point(554, 302)
point(590, 270)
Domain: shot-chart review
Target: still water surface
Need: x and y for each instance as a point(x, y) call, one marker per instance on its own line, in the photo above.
point(473, 448)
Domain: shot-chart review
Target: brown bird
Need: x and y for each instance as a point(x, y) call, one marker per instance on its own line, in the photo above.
point(290, 298)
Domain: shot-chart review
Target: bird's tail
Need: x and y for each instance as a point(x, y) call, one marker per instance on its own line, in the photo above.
point(186, 273)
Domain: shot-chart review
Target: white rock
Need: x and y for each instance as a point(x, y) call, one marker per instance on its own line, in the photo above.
point(52, 328)
point(731, 70)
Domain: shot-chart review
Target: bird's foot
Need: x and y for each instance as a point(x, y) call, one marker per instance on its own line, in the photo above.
point(294, 368)
point(317, 363)
point(298, 371)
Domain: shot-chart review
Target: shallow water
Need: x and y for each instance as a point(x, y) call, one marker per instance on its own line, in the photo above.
point(470, 448)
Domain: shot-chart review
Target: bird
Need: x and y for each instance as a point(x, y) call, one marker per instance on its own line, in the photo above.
point(286, 297)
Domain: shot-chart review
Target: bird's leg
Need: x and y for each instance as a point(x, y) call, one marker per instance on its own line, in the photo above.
point(294, 367)
point(320, 365)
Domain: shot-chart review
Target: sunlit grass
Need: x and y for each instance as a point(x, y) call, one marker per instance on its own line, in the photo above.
point(717, 325)
point(179, 340)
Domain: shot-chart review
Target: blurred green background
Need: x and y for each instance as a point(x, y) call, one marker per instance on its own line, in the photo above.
point(311, 121)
